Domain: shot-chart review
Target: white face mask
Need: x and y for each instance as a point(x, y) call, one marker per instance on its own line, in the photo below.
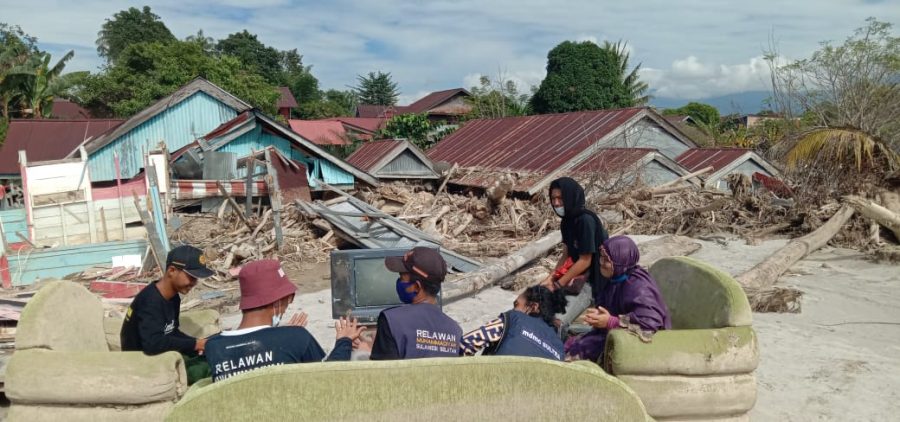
point(560, 211)
point(276, 319)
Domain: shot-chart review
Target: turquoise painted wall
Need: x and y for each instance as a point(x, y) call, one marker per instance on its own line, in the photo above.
point(27, 266)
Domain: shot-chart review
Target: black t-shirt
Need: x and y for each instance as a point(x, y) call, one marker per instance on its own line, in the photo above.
point(585, 234)
point(229, 354)
point(151, 324)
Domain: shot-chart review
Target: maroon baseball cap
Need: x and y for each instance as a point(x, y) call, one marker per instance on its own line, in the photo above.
point(263, 282)
point(422, 262)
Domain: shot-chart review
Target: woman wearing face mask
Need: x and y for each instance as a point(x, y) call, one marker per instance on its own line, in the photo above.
point(418, 329)
point(526, 330)
point(630, 300)
point(262, 339)
point(578, 269)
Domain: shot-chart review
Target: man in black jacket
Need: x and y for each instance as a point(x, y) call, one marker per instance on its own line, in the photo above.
point(151, 322)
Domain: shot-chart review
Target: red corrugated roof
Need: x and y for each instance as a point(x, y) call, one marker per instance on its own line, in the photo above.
point(370, 153)
point(379, 111)
point(321, 132)
point(531, 143)
point(228, 126)
point(699, 158)
point(47, 139)
point(363, 124)
point(65, 109)
point(612, 160)
point(434, 99)
point(287, 98)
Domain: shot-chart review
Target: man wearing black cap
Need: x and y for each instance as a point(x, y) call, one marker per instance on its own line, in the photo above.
point(151, 322)
point(419, 329)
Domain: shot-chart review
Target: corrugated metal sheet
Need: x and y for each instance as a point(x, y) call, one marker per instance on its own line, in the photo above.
point(47, 139)
point(370, 153)
point(362, 124)
point(287, 99)
point(434, 99)
point(333, 175)
point(536, 144)
point(612, 160)
point(65, 109)
point(257, 140)
point(321, 132)
point(699, 158)
point(406, 165)
point(177, 126)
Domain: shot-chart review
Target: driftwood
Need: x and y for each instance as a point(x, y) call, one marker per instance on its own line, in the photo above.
point(234, 205)
point(486, 276)
point(871, 210)
point(766, 273)
point(686, 177)
point(437, 193)
point(714, 205)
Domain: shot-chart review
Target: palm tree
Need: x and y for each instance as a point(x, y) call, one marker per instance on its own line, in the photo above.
point(637, 89)
point(13, 58)
point(45, 83)
point(844, 148)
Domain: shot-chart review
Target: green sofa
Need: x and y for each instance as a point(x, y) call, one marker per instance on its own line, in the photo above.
point(478, 388)
point(703, 368)
point(64, 367)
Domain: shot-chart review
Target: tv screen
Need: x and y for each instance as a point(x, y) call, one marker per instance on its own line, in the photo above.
point(361, 286)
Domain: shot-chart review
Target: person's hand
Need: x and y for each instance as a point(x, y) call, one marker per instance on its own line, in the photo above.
point(597, 317)
point(200, 346)
point(550, 283)
point(299, 320)
point(348, 328)
point(364, 342)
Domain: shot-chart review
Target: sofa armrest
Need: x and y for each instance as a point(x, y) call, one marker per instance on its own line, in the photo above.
point(38, 376)
point(729, 350)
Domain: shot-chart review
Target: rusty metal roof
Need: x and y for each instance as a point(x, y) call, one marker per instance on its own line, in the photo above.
point(370, 153)
point(321, 132)
point(362, 124)
point(379, 111)
point(47, 139)
point(613, 160)
point(434, 99)
point(65, 109)
point(699, 158)
point(287, 98)
point(531, 143)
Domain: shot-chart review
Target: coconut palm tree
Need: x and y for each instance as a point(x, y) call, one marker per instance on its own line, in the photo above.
point(846, 148)
point(637, 89)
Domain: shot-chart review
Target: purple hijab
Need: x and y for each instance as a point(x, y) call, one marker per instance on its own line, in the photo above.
point(631, 292)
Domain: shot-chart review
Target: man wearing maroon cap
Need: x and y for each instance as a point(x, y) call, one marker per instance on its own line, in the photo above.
point(418, 329)
point(258, 341)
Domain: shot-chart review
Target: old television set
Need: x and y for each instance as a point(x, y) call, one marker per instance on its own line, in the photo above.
point(361, 286)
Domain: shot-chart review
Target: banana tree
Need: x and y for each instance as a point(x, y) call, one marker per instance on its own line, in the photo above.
point(45, 83)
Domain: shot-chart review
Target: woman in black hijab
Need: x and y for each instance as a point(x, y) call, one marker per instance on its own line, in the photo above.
point(582, 234)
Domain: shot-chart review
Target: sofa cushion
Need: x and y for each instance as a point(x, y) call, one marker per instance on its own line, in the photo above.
point(699, 296)
point(508, 388)
point(730, 350)
point(62, 316)
point(38, 412)
point(95, 378)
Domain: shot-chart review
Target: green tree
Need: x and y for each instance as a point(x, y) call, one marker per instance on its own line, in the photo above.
point(147, 72)
point(850, 94)
point(250, 51)
point(376, 88)
point(582, 76)
point(413, 127)
point(331, 103)
point(637, 89)
point(16, 49)
point(492, 100)
point(45, 82)
point(129, 27)
point(702, 113)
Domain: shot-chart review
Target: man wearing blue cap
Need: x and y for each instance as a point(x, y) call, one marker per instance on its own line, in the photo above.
point(151, 322)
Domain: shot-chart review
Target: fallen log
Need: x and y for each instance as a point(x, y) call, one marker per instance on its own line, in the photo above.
point(486, 276)
point(871, 210)
point(766, 273)
point(686, 177)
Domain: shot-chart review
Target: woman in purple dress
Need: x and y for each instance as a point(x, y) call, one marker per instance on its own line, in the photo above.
point(630, 300)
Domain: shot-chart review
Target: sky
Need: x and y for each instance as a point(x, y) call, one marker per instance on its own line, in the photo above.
point(688, 49)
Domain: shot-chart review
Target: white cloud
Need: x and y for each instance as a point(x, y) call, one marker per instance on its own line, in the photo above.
point(690, 78)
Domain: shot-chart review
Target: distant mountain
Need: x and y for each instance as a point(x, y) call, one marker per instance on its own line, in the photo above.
point(748, 102)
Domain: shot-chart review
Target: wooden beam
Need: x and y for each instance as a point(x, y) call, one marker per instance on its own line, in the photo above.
point(156, 245)
point(274, 197)
point(234, 205)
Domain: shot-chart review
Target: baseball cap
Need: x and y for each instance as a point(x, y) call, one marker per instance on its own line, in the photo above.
point(422, 262)
point(190, 260)
point(263, 282)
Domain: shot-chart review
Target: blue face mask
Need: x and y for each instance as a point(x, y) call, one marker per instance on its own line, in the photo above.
point(405, 296)
point(619, 278)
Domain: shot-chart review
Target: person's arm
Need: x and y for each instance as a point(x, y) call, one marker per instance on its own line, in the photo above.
point(476, 340)
point(549, 281)
point(346, 332)
point(341, 351)
point(645, 311)
point(384, 347)
point(578, 268)
point(153, 338)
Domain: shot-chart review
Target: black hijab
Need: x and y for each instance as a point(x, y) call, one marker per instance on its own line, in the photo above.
point(572, 224)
